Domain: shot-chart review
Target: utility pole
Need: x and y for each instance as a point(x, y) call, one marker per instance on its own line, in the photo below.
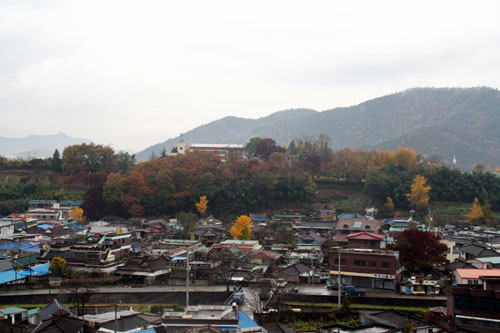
point(116, 317)
point(338, 284)
point(187, 279)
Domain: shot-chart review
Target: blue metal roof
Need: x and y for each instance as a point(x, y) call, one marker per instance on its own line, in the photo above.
point(178, 258)
point(21, 246)
point(244, 321)
point(10, 275)
point(44, 226)
point(39, 270)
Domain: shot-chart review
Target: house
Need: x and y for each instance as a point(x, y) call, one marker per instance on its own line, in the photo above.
point(13, 314)
point(366, 268)
point(146, 271)
point(264, 257)
point(246, 245)
point(209, 222)
point(395, 320)
point(475, 306)
point(61, 323)
point(298, 273)
point(476, 250)
point(207, 236)
point(316, 226)
point(474, 276)
point(346, 227)
point(6, 228)
point(364, 240)
point(125, 320)
point(221, 316)
point(486, 262)
point(53, 309)
point(44, 215)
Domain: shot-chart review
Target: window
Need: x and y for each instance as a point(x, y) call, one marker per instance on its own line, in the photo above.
point(367, 227)
point(473, 281)
point(359, 263)
point(345, 232)
point(372, 264)
point(385, 264)
point(342, 262)
point(346, 226)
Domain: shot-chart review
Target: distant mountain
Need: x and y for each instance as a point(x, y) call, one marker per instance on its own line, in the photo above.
point(37, 145)
point(433, 121)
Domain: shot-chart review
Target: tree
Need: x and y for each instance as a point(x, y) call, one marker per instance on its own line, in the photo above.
point(202, 205)
point(265, 147)
point(56, 163)
point(476, 213)
point(408, 327)
point(58, 266)
point(419, 251)
point(188, 221)
point(405, 158)
point(79, 290)
point(389, 205)
point(250, 147)
point(419, 195)
point(241, 228)
point(487, 213)
point(77, 214)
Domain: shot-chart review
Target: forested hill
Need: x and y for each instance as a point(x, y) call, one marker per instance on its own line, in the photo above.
point(433, 121)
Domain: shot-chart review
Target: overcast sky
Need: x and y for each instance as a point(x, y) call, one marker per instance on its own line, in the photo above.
point(135, 73)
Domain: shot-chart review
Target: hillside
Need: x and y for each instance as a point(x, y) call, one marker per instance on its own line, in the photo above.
point(433, 121)
point(37, 145)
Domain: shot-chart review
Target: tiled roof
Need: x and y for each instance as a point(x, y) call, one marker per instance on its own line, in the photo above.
point(365, 235)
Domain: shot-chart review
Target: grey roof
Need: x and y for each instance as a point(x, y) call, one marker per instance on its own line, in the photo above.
point(394, 318)
point(278, 328)
point(316, 225)
point(479, 251)
point(60, 324)
point(126, 323)
point(295, 270)
point(6, 265)
point(47, 311)
point(458, 264)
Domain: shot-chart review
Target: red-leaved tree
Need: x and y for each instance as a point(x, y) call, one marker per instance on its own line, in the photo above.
point(419, 251)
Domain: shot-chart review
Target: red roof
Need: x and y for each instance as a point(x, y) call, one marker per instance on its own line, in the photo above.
point(365, 235)
point(471, 273)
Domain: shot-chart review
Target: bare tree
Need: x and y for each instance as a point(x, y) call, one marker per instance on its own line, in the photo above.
point(79, 290)
point(228, 265)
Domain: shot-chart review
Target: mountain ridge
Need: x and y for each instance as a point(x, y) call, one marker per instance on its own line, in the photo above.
point(40, 146)
point(465, 120)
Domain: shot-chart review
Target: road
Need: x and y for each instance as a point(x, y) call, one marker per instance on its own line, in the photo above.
point(250, 292)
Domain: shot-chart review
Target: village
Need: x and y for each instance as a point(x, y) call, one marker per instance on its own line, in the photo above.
point(213, 282)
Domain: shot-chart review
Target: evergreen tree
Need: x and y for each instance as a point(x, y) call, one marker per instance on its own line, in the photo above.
point(56, 164)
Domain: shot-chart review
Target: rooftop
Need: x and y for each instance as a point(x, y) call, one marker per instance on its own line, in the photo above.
point(216, 145)
point(469, 273)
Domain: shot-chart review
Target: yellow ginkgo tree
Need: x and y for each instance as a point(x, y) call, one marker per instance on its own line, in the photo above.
point(476, 212)
point(241, 228)
point(77, 214)
point(202, 205)
point(419, 195)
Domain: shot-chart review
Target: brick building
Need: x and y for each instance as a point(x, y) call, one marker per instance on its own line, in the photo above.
point(366, 268)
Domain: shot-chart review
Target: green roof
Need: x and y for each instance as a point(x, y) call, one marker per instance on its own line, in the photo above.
point(11, 310)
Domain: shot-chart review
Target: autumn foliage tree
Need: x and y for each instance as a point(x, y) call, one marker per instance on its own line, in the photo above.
point(77, 214)
point(419, 251)
point(419, 195)
point(202, 205)
point(241, 228)
point(58, 266)
point(476, 213)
